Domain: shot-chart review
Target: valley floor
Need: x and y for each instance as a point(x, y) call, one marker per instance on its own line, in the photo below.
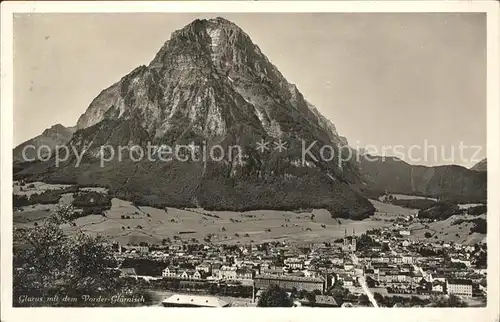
point(128, 224)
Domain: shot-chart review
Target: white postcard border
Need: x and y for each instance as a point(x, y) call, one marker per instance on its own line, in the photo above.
point(490, 313)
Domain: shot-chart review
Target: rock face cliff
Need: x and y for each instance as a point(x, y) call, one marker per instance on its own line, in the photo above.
point(211, 76)
point(210, 85)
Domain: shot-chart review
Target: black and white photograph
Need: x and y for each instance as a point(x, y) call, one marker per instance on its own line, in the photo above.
point(249, 159)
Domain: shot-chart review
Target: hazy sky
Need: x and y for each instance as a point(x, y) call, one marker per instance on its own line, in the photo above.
point(383, 79)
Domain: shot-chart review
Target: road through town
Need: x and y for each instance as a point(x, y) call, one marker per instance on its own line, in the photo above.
point(362, 282)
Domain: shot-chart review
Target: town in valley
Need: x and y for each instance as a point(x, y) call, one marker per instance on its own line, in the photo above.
point(396, 263)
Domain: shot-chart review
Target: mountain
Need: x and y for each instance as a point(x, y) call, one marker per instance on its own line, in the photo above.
point(447, 182)
point(210, 86)
point(481, 165)
point(56, 135)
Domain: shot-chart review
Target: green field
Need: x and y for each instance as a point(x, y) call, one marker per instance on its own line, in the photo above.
point(446, 231)
point(151, 225)
point(223, 226)
point(390, 211)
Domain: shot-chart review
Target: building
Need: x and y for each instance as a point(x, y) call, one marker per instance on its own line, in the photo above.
point(227, 273)
point(464, 261)
point(337, 261)
point(309, 273)
point(244, 273)
point(348, 282)
point(294, 263)
point(169, 272)
point(289, 282)
point(186, 274)
point(438, 287)
point(184, 300)
point(438, 277)
point(204, 267)
point(176, 247)
point(272, 271)
point(349, 244)
point(348, 266)
point(216, 269)
point(404, 233)
point(321, 301)
point(130, 272)
point(461, 287)
point(407, 259)
point(137, 249)
point(196, 275)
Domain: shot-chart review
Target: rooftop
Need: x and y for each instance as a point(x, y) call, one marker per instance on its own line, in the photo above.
point(289, 278)
point(459, 281)
point(325, 299)
point(194, 300)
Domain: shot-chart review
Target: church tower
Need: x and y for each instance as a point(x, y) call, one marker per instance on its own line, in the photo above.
point(353, 241)
point(346, 241)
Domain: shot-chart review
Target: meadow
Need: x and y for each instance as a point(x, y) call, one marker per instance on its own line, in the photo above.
point(130, 224)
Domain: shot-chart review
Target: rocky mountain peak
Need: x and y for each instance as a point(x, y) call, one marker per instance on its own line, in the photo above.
point(58, 129)
point(210, 83)
point(215, 45)
point(208, 77)
point(57, 134)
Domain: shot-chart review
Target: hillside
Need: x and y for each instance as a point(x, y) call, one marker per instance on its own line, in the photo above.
point(210, 86)
point(450, 182)
point(56, 135)
point(454, 229)
point(481, 165)
point(132, 224)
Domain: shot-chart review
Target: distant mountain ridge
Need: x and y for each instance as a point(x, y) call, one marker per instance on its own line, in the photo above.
point(209, 84)
point(448, 181)
point(481, 165)
point(56, 135)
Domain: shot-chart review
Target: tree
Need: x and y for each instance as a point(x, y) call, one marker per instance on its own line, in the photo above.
point(455, 301)
point(47, 262)
point(427, 234)
point(301, 294)
point(370, 282)
point(311, 297)
point(338, 292)
point(363, 300)
point(364, 242)
point(379, 298)
point(447, 301)
point(274, 296)
point(481, 260)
